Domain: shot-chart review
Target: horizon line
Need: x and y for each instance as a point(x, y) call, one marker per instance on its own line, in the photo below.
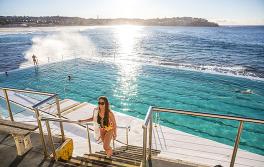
point(209, 20)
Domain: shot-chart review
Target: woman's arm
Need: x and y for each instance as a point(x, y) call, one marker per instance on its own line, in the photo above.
point(89, 119)
point(112, 117)
point(86, 120)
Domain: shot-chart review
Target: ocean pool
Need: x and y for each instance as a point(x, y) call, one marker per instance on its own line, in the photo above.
point(133, 87)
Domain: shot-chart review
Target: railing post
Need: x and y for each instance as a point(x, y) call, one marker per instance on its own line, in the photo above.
point(150, 136)
point(59, 114)
point(127, 138)
point(51, 140)
point(8, 105)
point(113, 144)
point(239, 131)
point(144, 146)
point(41, 132)
point(88, 138)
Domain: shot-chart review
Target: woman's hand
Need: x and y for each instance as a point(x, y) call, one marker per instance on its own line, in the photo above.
point(85, 120)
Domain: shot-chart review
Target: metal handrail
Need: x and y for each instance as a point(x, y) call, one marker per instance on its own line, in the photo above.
point(120, 127)
point(44, 101)
point(28, 91)
point(148, 121)
point(26, 107)
point(76, 122)
point(63, 120)
point(36, 109)
point(47, 119)
point(5, 90)
point(184, 112)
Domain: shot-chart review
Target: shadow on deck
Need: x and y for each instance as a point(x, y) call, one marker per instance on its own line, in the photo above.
point(34, 157)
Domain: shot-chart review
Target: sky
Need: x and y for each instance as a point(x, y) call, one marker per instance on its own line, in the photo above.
point(224, 12)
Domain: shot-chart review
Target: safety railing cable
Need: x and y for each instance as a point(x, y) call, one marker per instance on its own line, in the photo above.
point(147, 138)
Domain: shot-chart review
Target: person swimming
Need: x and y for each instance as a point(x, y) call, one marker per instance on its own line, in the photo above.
point(247, 91)
point(69, 77)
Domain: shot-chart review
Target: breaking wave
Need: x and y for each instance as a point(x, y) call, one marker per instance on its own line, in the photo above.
point(235, 71)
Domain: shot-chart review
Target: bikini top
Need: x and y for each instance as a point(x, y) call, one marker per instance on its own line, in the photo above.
point(107, 128)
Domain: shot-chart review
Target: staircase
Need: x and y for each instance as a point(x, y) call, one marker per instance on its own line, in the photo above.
point(130, 156)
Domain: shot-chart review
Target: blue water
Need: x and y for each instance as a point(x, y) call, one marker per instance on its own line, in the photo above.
point(226, 50)
point(4, 112)
point(149, 74)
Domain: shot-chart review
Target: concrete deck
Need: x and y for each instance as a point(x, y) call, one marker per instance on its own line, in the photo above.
point(34, 157)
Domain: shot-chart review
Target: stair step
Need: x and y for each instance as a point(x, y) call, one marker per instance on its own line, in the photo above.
point(113, 160)
point(154, 152)
point(81, 161)
point(67, 163)
point(95, 162)
point(138, 148)
point(75, 161)
point(139, 153)
point(125, 152)
point(138, 159)
point(124, 156)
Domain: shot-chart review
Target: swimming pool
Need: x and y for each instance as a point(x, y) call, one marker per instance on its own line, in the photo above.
point(4, 112)
point(132, 88)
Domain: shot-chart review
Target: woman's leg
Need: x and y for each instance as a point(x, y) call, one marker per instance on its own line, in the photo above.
point(102, 134)
point(107, 139)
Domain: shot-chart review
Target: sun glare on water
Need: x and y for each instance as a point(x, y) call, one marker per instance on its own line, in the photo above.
point(127, 37)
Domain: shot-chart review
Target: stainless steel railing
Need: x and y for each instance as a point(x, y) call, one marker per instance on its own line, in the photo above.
point(37, 110)
point(148, 124)
point(6, 97)
point(47, 120)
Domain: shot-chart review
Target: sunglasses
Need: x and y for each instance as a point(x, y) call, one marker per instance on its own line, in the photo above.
point(101, 103)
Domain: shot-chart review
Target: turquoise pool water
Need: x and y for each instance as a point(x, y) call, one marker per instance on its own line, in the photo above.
point(4, 112)
point(132, 88)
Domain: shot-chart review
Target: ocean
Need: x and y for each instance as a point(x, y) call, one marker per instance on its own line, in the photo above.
point(191, 68)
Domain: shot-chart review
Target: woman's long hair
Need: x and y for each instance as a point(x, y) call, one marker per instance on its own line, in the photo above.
point(106, 114)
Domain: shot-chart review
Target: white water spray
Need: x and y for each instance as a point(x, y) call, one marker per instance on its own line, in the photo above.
point(60, 46)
